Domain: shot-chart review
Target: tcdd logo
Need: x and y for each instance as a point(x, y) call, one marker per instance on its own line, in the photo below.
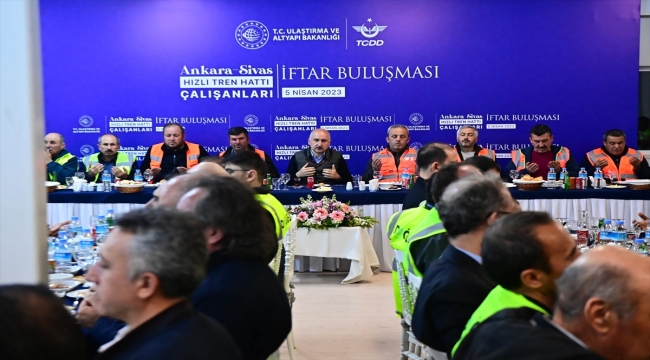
point(86, 150)
point(416, 145)
point(416, 118)
point(369, 33)
point(252, 35)
point(250, 120)
point(86, 121)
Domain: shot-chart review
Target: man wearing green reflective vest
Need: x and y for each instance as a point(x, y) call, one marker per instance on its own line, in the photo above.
point(119, 164)
point(525, 253)
point(60, 162)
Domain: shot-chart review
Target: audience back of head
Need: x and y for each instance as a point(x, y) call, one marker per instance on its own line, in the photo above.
point(484, 163)
point(248, 160)
point(446, 176)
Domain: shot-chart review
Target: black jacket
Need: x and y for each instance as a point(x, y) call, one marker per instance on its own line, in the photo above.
point(332, 157)
point(415, 194)
point(268, 160)
point(179, 332)
point(521, 333)
point(642, 173)
point(170, 161)
point(452, 289)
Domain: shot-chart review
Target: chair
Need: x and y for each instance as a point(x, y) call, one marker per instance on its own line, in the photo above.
point(290, 248)
point(427, 353)
point(275, 263)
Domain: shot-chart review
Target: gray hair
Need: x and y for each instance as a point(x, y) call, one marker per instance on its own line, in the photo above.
point(467, 127)
point(99, 139)
point(397, 126)
point(168, 243)
point(582, 281)
point(467, 203)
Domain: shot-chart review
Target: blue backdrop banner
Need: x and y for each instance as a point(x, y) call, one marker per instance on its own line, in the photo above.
point(282, 69)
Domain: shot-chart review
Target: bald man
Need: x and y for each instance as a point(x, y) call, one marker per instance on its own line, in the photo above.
point(602, 312)
point(59, 161)
point(169, 192)
point(119, 164)
point(209, 168)
point(319, 161)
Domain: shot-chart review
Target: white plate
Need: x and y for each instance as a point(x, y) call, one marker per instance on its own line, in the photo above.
point(129, 185)
point(615, 186)
point(518, 181)
point(323, 189)
point(77, 293)
point(151, 185)
point(634, 182)
point(59, 277)
point(71, 269)
point(389, 189)
point(65, 285)
point(51, 183)
point(509, 185)
point(557, 183)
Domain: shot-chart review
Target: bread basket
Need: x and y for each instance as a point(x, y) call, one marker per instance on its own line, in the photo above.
point(129, 188)
point(528, 185)
point(636, 184)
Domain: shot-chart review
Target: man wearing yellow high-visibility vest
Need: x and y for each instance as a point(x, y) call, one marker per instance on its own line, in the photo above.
point(60, 162)
point(524, 253)
point(119, 164)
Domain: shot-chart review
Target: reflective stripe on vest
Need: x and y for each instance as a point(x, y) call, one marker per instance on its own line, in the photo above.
point(434, 227)
point(625, 170)
point(276, 209)
point(61, 161)
point(519, 159)
point(400, 225)
point(488, 153)
point(388, 170)
point(123, 161)
point(498, 299)
point(156, 155)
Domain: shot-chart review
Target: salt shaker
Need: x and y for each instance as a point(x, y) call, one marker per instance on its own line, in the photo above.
point(349, 186)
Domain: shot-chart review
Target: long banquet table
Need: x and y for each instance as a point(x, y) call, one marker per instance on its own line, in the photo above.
point(607, 203)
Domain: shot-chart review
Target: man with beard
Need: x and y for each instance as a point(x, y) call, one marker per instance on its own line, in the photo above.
point(119, 164)
point(240, 142)
point(174, 155)
point(325, 165)
point(59, 161)
point(614, 157)
point(467, 136)
point(395, 158)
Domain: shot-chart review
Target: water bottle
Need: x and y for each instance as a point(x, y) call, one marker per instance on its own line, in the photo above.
point(62, 253)
point(86, 241)
point(110, 218)
point(75, 226)
point(550, 183)
point(620, 233)
point(138, 176)
point(563, 174)
point(640, 247)
point(598, 178)
point(106, 181)
point(406, 177)
point(101, 229)
point(583, 178)
point(606, 232)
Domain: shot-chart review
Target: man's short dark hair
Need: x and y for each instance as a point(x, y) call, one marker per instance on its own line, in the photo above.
point(35, 325)
point(614, 133)
point(430, 153)
point(483, 163)
point(213, 159)
point(248, 160)
point(232, 208)
point(443, 178)
point(237, 130)
point(510, 246)
point(467, 203)
point(174, 124)
point(541, 129)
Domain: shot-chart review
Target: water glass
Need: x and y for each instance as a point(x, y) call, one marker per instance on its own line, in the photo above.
point(376, 175)
point(296, 183)
point(148, 175)
point(68, 181)
point(80, 175)
point(284, 178)
point(514, 174)
point(276, 183)
point(356, 179)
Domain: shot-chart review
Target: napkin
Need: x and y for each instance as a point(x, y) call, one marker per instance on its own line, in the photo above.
point(373, 184)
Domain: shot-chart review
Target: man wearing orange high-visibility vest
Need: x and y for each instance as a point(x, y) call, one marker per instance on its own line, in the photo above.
point(615, 158)
point(396, 158)
point(537, 159)
point(174, 155)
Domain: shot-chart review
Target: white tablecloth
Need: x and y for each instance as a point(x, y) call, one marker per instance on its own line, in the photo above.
point(347, 243)
point(623, 209)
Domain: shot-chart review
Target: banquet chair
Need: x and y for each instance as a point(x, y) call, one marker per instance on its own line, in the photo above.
point(426, 353)
point(411, 347)
point(290, 248)
point(275, 263)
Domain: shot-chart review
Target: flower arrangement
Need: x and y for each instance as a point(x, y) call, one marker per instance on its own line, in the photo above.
point(328, 213)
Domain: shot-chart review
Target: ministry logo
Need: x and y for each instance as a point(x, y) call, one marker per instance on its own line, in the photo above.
point(416, 145)
point(369, 32)
point(86, 121)
point(250, 120)
point(416, 118)
point(86, 150)
point(252, 34)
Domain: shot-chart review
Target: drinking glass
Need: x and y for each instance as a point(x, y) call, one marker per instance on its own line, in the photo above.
point(514, 174)
point(276, 183)
point(80, 175)
point(612, 176)
point(376, 175)
point(296, 183)
point(284, 178)
point(572, 225)
point(68, 181)
point(355, 180)
point(148, 175)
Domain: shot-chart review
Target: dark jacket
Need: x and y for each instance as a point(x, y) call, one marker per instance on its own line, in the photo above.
point(571, 165)
point(268, 160)
point(521, 333)
point(170, 161)
point(642, 173)
point(426, 251)
point(452, 289)
point(179, 332)
point(246, 297)
point(415, 194)
point(91, 178)
point(332, 157)
point(62, 171)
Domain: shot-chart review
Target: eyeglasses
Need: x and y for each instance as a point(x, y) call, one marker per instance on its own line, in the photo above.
point(230, 171)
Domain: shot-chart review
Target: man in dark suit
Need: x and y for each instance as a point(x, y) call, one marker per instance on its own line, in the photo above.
point(149, 266)
point(456, 284)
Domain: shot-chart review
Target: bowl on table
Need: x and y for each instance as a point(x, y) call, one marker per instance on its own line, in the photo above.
point(387, 185)
point(129, 188)
point(51, 185)
point(528, 185)
point(637, 184)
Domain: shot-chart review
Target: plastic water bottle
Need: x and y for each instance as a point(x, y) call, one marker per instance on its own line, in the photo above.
point(137, 176)
point(110, 218)
point(406, 177)
point(551, 178)
point(606, 232)
point(62, 253)
point(640, 247)
point(620, 234)
point(106, 181)
point(564, 174)
point(582, 176)
point(598, 179)
point(86, 241)
point(75, 226)
point(101, 229)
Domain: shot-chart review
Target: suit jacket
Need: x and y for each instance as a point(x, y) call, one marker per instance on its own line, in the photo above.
point(452, 289)
point(179, 332)
point(246, 297)
point(521, 333)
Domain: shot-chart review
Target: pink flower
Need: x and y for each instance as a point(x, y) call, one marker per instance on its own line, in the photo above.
point(318, 203)
point(302, 216)
point(320, 214)
point(345, 208)
point(355, 213)
point(337, 216)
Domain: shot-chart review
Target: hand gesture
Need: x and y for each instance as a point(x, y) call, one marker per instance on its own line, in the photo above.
point(643, 224)
point(181, 169)
point(155, 171)
point(306, 171)
point(119, 173)
point(87, 314)
point(555, 165)
point(48, 157)
point(54, 230)
point(532, 168)
point(376, 164)
point(97, 169)
point(636, 163)
point(331, 173)
point(601, 163)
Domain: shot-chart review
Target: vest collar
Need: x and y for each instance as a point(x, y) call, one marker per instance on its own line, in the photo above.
point(604, 149)
point(63, 152)
point(476, 149)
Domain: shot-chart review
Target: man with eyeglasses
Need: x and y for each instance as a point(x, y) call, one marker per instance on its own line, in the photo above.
point(456, 284)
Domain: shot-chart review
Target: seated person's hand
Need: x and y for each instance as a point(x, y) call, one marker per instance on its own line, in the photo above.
point(87, 314)
point(155, 171)
point(181, 169)
point(331, 173)
point(643, 223)
point(54, 230)
point(306, 171)
point(601, 163)
point(532, 167)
